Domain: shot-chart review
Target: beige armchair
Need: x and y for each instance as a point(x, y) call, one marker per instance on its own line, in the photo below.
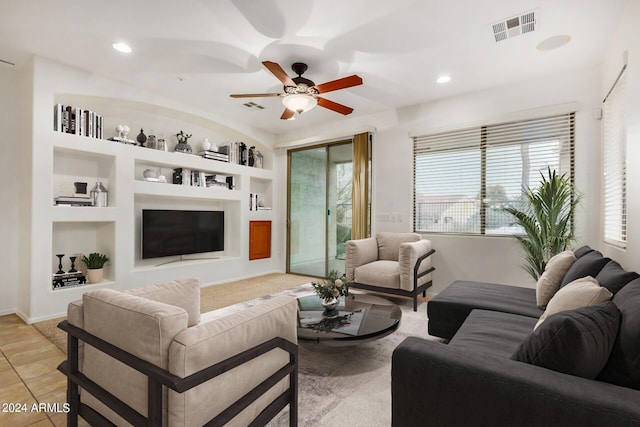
point(394, 263)
point(143, 357)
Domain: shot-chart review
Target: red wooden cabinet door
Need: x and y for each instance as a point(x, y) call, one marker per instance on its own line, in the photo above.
point(259, 239)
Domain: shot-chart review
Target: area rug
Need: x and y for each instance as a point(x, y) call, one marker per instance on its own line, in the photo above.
point(351, 386)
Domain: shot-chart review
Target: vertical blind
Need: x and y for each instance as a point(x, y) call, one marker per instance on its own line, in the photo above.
point(463, 179)
point(614, 164)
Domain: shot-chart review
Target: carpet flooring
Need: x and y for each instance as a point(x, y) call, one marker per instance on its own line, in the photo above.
point(338, 386)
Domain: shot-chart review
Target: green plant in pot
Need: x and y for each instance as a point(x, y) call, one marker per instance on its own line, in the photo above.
point(546, 220)
point(183, 142)
point(95, 266)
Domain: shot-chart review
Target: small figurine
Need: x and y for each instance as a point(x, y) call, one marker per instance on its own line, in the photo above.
point(141, 138)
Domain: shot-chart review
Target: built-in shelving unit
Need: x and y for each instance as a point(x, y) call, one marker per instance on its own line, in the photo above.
point(115, 230)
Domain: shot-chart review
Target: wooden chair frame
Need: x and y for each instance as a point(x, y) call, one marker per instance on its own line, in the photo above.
point(159, 378)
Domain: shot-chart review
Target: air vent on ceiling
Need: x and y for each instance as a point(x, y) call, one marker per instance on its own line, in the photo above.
point(514, 26)
point(253, 105)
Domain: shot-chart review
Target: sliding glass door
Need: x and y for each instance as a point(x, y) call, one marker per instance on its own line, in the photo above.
point(319, 211)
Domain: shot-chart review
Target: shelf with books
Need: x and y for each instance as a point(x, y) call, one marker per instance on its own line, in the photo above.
point(77, 172)
point(67, 159)
point(77, 238)
point(159, 189)
point(75, 120)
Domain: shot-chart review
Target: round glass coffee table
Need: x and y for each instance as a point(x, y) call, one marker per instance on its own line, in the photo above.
point(361, 317)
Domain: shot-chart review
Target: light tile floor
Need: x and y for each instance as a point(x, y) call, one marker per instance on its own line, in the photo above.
point(28, 377)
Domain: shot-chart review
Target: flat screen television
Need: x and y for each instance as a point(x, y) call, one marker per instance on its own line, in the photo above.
point(181, 232)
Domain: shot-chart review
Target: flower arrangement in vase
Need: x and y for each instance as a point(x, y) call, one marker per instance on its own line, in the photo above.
point(330, 289)
point(183, 142)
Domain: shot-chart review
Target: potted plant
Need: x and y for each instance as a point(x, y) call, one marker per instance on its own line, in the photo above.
point(95, 266)
point(183, 142)
point(546, 220)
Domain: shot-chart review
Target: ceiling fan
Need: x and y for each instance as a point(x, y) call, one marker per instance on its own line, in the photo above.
point(301, 94)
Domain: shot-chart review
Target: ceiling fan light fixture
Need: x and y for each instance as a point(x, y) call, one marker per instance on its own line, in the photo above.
point(299, 103)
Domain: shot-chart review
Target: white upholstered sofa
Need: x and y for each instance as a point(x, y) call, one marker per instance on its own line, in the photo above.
point(173, 369)
point(395, 263)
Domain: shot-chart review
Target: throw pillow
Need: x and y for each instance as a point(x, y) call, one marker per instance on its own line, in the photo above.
point(575, 342)
point(389, 244)
point(613, 277)
point(549, 282)
point(579, 293)
point(183, 293)
point(588, 264)
point(583, 250)
point(623, 367)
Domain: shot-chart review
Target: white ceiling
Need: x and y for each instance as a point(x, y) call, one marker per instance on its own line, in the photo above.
point(200, 51)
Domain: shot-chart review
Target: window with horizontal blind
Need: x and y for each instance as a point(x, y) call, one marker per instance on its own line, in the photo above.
point(463, 179)
point(615, 165)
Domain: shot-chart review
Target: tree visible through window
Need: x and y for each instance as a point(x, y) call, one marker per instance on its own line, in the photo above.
point(463, 179)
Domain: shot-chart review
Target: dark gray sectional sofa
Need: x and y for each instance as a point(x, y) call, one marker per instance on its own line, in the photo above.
point(472, 380)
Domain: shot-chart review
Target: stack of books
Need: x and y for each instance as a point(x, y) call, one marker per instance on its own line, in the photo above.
point(216, 181)
point(76, 120)
point(77, 200)
point(214, 155)
point(122, 140)
point(66, 280)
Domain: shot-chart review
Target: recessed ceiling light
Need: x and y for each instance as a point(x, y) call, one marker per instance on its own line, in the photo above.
point(554, 42)
point(122, 47)
point(443, 79)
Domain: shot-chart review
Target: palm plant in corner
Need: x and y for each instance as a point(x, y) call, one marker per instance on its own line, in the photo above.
point(546, 220)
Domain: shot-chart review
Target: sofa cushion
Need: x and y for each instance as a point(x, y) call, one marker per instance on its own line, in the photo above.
point(448, 310)
point(583, 250)
point(492, 333)
point(579, 293)
point(575, 342)
point(183, 293)
point(549, 282)
point(385, 274)
point(614, 277)
point(623, 367)
point(389, 244)
point(140, 326)
point(588, 264)
point(409, 254)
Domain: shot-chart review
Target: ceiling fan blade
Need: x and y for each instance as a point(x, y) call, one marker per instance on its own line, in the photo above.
point(339, 108)
point(280, 74)
point(253, 95)
point(287, 114)
point(342, 83)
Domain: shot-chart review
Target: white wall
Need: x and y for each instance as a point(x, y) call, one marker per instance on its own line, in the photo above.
point(627, 39)
point(493, 259)
point(10, 143)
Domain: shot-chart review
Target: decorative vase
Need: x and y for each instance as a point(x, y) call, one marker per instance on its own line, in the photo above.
point(99, 196)
point(182, 147)
point(330, 305)
point(141, 138)
point(94, 275)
